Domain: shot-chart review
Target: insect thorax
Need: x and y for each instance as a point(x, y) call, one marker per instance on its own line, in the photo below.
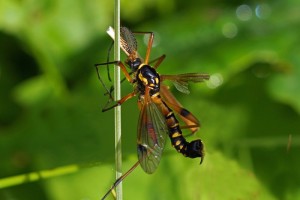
point(147, 76)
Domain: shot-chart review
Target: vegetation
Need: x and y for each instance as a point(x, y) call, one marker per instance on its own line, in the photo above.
point(55, 143)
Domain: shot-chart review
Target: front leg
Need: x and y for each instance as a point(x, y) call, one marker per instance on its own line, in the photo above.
point(119, 102)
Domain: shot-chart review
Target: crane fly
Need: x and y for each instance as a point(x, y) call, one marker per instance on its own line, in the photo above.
point(157, 106)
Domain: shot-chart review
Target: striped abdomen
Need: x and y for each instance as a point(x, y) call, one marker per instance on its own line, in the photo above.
point(191, 149)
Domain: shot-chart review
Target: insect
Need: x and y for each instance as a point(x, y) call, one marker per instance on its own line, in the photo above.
point(157, 106)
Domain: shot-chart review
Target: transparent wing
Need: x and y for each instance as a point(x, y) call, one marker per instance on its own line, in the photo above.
point(152, 133)
point(128, 41)
point(180, 81)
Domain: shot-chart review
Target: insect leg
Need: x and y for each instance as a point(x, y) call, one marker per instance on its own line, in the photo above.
point(112, 87)
point(109, 91)
point(107, 60)
point(149, 46)
point(118, 103)
point(120, 64)
point(158, 61)
point(119, 180)
point(187, 117)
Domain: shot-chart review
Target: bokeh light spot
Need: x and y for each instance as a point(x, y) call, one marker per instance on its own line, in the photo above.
point(263, 11)
point(244, 12)
point(229, 30)
point(215, 81)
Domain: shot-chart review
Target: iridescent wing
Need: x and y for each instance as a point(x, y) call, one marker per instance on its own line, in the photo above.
point(180, 81)
point(152, 133)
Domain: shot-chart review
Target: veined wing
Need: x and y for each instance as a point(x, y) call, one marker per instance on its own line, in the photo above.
point(128, 41)
point(152, 133)
point(180, 81)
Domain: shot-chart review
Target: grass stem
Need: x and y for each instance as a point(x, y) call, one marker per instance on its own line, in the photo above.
point(117, 95)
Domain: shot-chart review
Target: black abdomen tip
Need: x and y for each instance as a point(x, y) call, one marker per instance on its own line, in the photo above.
point(195, 149)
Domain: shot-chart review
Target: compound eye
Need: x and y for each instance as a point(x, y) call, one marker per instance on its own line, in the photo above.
point(135, 64)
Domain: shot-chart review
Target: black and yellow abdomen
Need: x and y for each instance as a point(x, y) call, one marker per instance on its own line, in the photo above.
point(191, 149)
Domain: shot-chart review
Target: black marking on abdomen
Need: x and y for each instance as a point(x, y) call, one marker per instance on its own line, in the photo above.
point(192, 149)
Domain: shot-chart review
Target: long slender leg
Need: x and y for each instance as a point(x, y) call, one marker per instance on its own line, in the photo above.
point(121, 65)
point(107, 60)
point(112, 87)
point(149, 46)
point(119, 180)
point(120, 102)
point(187, 117)
point(158, 61)
point(109, 91)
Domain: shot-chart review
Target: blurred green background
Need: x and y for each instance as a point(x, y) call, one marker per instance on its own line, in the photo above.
point(54, 135)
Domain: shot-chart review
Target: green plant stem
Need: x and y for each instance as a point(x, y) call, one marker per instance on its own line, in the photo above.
point(117, 95)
